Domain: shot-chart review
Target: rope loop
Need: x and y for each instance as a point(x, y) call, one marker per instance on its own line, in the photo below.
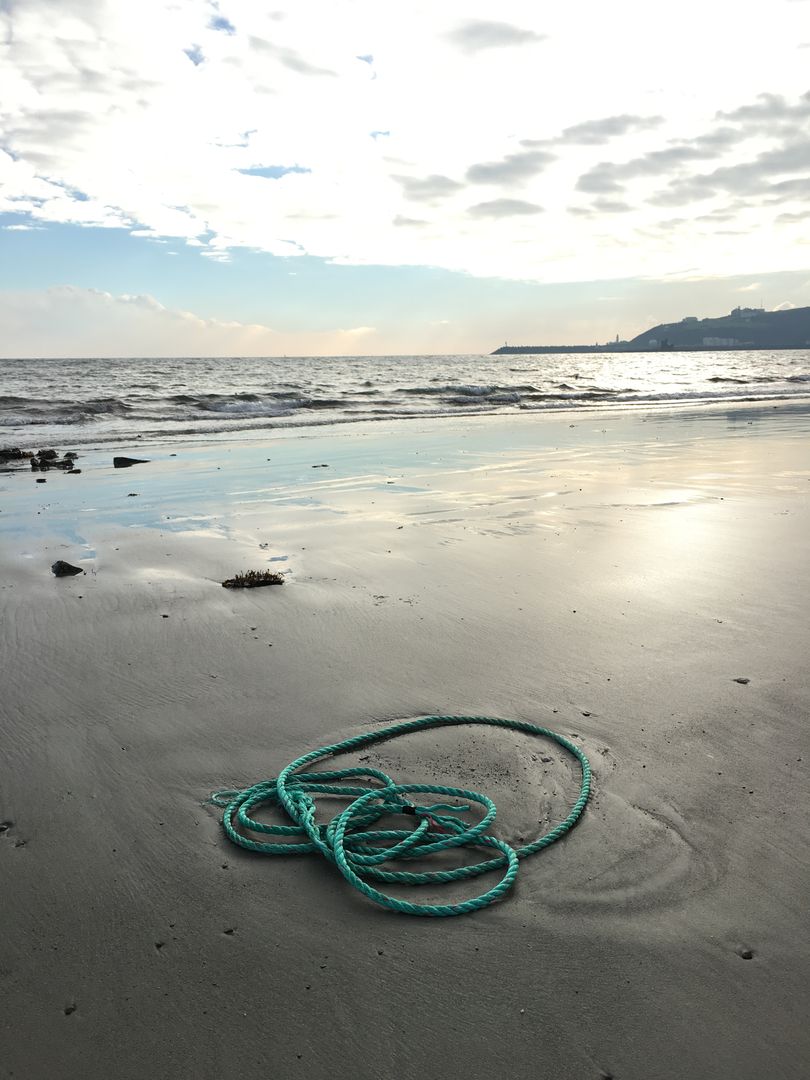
point(360, 851)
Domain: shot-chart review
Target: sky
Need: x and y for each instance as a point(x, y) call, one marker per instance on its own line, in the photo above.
point(190, 177)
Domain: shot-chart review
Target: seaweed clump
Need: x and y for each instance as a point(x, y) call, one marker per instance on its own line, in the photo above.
point(253, 579)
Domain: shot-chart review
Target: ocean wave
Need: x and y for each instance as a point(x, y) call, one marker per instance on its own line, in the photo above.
point(465, 391)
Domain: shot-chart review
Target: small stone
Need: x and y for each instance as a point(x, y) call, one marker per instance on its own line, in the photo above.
point(746, 954)
point(41, 480)
point(64, 569)
point(742, 681)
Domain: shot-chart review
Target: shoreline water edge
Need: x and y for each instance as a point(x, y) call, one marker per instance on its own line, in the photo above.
point(634, 578)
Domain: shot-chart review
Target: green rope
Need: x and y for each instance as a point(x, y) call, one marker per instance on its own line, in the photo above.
point(359, 851)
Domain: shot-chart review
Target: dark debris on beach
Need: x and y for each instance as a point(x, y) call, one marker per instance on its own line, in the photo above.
point(42, 460)
point(253, 579)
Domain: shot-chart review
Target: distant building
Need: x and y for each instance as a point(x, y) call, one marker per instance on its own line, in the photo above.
point(690, 318)
point(720, 342)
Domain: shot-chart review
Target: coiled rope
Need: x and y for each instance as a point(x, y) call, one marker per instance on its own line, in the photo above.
point(359, 851)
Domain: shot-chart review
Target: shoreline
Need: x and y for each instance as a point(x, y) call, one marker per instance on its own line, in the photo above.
point(610, 581)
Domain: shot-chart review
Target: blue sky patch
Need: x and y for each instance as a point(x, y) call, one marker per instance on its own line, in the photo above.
point(219, 22)
point(273, 172)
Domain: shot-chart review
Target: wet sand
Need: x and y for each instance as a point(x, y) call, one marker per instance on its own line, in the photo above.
point(610, 580)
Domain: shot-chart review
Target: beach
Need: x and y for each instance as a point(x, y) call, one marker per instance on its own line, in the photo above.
point(633, 579)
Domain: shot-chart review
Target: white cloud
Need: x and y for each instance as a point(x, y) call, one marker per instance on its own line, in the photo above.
point(145, 116)
point(72, 321)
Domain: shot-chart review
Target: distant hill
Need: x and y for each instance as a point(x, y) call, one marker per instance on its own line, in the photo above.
point(743, 328)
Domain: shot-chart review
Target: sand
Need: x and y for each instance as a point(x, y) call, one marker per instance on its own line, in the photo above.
point(610, 579)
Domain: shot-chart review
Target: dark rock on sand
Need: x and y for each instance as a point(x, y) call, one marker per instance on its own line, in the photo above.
point(13, 453)
point(41, 480)
point(49, 459)
point(125, 462)
point(65, 569)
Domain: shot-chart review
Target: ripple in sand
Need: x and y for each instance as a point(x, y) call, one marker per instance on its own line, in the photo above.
point(638, 858)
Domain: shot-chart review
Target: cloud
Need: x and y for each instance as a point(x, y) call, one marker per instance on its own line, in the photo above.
point(105, 122)
point(72, 321)
point(753, 177)
point(500, 208)
point(477, 34)
point(770, 107)
point(611, 206)
point(428, 188)
point(609, 177)
point(757, 177)
point(288, 57)
point(594, 132)
point(514, 168)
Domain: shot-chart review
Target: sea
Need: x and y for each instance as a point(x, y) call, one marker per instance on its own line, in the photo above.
point(70, 403)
